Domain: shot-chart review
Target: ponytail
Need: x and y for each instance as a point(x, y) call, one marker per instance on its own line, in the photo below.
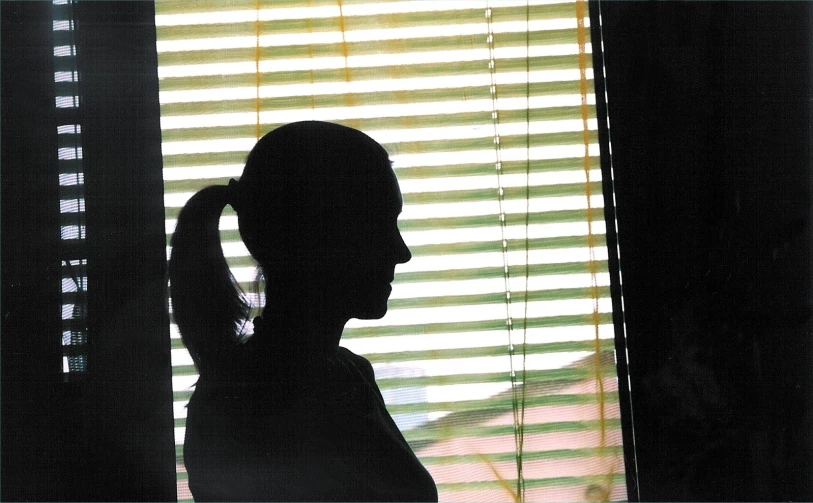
point(206, 302)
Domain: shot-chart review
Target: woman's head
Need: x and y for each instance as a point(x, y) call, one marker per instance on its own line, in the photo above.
point(317, 207)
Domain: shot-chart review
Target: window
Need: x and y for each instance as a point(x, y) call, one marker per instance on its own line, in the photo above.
point(496, 356)
point(71, 194)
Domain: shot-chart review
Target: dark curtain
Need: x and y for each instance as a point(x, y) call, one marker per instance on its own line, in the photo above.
point(108, 436)
point(709, 108)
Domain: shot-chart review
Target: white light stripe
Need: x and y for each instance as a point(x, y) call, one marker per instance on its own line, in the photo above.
point(72, 205)
point(327, 63)
point(482, 312)
point(244, 16)
point(181, 357)
point(432, 6)
point(179, 409)
point(486, 364)
point(371, 111)
point(65, 76)
point(463, 340)
point(434, 263)
point(367, 35)
point(449, 367)
point(426, 289)
point(69, 153)
point(180, 432)
point(456, 392)
point(64, 50)
point(229, 223)
point(483, 79)
point(71, 179)
point(492, 233)
point(72, 232)
point(451, 262)
point(68, 285)
point(510, 206)
point(439, 210)
point(321, 12)
point(450, 341)
point(480, 156)
point(63, 25)
point(202, 172)
point(535, 179)
point(69, 129)
point(394, 136)
point(66, 101)
point(208, 146)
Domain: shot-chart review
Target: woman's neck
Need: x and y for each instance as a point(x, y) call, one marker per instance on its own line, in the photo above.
point(306, 331)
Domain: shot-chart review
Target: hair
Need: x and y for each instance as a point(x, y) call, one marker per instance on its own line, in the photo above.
point(206, 303)
point(302, 185)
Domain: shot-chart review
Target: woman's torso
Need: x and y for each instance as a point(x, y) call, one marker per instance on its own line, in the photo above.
point(309, 432)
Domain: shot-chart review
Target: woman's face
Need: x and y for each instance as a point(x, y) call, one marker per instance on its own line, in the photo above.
point(322, 218)
point(379, 247)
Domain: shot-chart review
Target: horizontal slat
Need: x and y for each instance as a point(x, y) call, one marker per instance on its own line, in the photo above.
point(473, 277)
point(527, 456)
point(326, 49)
point(169, 10)
point(286, 78)
point(351, 19)
point(201, 170)
point(493, 298)
point(495, 272)
point(422, 436)
point(504, 404)
point(463, 326)
point(490, 222)
point(538, 40)
point(562, 133)
point(476, 429)
point(460, 266)
point(371, 127)
point(560, 83)
point(350, 116)
point(446, 336)
point(462, 353)
point(532, 483)
point(174, 204)
point(545, 243)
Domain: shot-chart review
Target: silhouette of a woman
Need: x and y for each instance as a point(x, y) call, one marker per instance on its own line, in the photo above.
point(288, 414)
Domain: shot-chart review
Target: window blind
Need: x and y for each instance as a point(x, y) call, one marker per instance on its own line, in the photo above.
point(496, 355)
point(71, 194)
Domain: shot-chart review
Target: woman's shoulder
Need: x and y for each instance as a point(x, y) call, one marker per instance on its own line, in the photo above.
point(361, 363)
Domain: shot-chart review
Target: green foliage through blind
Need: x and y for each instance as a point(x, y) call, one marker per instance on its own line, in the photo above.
point(496, 356)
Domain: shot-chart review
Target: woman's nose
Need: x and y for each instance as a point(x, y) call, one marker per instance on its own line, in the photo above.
point(402, 253)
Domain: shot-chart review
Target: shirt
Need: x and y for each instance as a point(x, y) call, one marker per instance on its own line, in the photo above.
point(312, 430)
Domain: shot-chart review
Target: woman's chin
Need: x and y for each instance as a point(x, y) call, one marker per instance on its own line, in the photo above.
point(374, 309)
point(372, 314)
